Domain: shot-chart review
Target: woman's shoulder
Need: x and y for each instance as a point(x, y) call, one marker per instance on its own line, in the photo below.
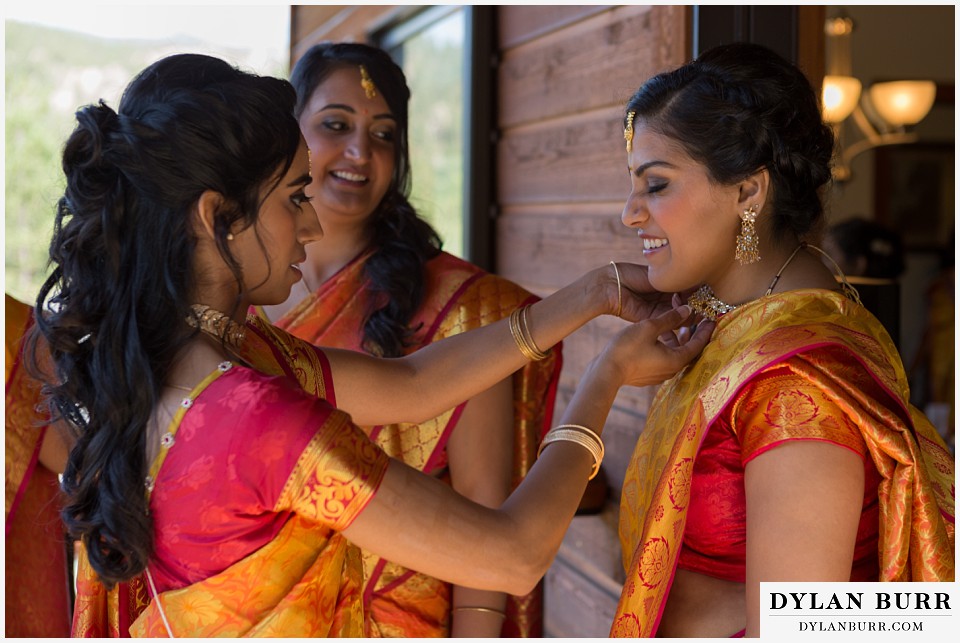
point(254, 394)
point(446, 271)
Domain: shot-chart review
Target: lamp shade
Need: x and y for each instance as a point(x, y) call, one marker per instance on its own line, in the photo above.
point(840, 96)
point(903, 102)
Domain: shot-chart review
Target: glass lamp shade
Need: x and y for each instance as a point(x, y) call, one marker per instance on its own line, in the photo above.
point(903, 102)
point(840, 96)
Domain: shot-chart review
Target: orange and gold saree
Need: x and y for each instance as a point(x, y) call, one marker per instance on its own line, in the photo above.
point(459, 297)
point(37, 598)
point(254, 484)
point(916, 492)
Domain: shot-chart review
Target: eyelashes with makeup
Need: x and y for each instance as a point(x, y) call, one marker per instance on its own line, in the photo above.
point(653, 189)
point(299, 198)
point(341, 127)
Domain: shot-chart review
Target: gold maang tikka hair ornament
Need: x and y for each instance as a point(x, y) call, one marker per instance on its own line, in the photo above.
point(367, 83)
point(628, 131)
point(748, 246)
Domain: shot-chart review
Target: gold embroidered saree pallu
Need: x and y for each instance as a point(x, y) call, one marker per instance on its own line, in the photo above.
point(302, 590)
point(916, 494)
point(459, 297)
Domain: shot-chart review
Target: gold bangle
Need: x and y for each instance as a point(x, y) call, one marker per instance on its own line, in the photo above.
point(577, 438)
point(592, 444)
point(517, 338)
point(520, 332)
point(616, 271)
point(528, 336)
point(488, 610)
point(593, 434)
point(573, 433)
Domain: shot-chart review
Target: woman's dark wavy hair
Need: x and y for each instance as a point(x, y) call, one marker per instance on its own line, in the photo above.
point(739, 108)
point(123, 252)
point(402, 241)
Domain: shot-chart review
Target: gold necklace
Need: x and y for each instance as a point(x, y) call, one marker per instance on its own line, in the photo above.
point(216, 324)
point(704, 302)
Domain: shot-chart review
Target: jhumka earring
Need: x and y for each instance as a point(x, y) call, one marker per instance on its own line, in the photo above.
point(628, 131)
point(367, 83)
point(748, 246)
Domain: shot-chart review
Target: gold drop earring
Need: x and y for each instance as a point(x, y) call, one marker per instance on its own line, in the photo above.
point(748, 244)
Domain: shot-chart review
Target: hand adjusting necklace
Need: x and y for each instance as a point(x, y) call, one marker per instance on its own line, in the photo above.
point(706, 303)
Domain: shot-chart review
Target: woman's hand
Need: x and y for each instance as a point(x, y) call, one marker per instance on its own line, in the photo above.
point(654, 350)
point(635, 297)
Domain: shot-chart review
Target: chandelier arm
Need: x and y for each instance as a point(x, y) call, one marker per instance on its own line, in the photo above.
point(862, 146)
point(860, 118)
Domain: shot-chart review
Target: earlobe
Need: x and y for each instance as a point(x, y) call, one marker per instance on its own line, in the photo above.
point(206, 210)
point(753, 189)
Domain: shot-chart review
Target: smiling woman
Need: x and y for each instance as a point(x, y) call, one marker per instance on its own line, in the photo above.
point(182, 208)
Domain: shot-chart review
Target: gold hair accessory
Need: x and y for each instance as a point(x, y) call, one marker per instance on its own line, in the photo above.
point(577, 434)
point(616, 271)
point(704, 302)
point(488, 610)
point(748, 246)
point(367, 83)
point(628, 131)
point(520, 329)
point(216, 324)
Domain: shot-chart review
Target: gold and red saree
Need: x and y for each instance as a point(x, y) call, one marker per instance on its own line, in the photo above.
point(255, 483)
point(459, 296)
point(916, 494)
point(36, 599)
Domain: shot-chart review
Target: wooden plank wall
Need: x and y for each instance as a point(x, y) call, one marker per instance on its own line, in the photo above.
point(564, 74)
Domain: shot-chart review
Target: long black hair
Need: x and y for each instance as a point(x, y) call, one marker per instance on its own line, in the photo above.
point(402, 241)
point(113, 311)
point(739, 108)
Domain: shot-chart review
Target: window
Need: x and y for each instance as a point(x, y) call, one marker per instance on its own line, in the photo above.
point(437, 50)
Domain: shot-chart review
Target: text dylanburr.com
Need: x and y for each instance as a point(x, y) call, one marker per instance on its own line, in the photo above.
point(858, 611)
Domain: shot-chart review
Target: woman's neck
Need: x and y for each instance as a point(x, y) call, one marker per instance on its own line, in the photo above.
point(784, 268)
point(326, 257)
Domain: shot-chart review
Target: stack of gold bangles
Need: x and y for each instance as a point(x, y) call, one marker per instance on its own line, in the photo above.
point(520, 330)
point(580, 435)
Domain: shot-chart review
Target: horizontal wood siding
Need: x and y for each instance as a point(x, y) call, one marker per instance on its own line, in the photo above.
point(311, 24)
point(594, 63)
point(565, 74)
point(528, 22)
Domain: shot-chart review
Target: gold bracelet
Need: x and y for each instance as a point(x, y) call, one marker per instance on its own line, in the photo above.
point(488, 610)
point(592, 444)
point(528, 336)
point(616, 271)
point(517, 338)
point(573, 433)
point(593, 434)
point(517, 327)
point(577, 438)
